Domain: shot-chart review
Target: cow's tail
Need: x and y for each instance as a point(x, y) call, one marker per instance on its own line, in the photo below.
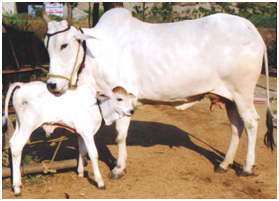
point(268, 138)
point(8, 95)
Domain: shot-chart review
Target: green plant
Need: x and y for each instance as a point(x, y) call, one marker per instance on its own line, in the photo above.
point(263, 21)
point(225, 7)
point(38, 11)
point(56, 17)
point(35, 178)
point(185, 17)
point(138, 11)
point(15, 21)
point(6, 186)
point(101, 12)
point(244, 8)
point(164, 11)
point(30, 158)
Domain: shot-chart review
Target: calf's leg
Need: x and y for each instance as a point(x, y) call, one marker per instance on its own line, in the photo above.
point(82, 154)
point(17, 142)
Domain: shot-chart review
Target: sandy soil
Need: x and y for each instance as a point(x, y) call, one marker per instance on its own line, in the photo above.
point(171, 154)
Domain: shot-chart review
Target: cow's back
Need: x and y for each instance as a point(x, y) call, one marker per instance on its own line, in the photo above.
point(171, 61)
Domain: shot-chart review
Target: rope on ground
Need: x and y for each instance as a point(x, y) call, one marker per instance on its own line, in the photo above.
point(47, 168)
point(62, 138)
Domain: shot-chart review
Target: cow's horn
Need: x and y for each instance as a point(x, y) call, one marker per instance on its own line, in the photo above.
point(46, 18)
point(69, 20)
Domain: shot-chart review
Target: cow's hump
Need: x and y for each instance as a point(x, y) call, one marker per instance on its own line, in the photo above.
point(114, 18)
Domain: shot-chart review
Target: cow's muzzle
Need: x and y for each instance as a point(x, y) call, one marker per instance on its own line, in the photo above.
point(52, 89)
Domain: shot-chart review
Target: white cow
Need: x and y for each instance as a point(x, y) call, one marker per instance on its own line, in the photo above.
point(177, 63)
point(77, 110)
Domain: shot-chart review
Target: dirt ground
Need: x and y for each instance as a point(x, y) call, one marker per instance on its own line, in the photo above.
point(171, 154)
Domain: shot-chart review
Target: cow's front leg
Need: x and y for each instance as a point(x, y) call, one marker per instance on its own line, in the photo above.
point(122, 126)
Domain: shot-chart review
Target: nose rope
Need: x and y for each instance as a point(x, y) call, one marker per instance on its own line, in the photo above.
point(63, 77)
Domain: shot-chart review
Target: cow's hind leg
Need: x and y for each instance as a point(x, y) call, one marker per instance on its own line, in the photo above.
point(122, 126)
point(250, 118)
point(237, 126)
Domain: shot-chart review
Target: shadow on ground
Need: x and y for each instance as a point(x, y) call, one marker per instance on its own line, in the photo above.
point(145, 134)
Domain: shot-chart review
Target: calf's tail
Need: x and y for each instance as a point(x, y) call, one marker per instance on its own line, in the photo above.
point(7, 99)
point(268, 138)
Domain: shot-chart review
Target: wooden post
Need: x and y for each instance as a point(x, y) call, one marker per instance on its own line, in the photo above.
point(13, 52)
point(89, 25)
point(143, 13)
point(110, 5)
point(29, 169)
point(95, 14)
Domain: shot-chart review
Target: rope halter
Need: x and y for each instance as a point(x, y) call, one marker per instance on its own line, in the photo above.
point(78, 69)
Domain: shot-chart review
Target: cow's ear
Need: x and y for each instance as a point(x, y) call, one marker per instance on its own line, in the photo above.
point(82, 36)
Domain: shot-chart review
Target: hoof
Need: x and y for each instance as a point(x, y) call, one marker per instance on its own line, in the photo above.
point(85, 163)
point(17, 194)
point(220, 170)
point(244, 174)
point(116, 176)
point(102, 188)
point(17, 191)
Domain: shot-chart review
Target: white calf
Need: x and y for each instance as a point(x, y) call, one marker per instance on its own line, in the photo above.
point(77, 109)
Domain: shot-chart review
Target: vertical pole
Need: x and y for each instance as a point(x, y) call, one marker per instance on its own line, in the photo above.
point(143, 11)
point(89, 25)
point(95, 14)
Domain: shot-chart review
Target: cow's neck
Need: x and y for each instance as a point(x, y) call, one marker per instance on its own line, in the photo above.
point(90, 75)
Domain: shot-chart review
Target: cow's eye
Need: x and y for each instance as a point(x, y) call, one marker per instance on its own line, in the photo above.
point(119, 99)
point(64, 46)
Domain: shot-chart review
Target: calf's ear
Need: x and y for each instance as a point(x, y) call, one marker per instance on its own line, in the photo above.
point(102, 96)
point(119, 90)
point(133, 98)
point(131, 95)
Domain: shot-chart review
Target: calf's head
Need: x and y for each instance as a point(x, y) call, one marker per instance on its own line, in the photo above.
point(116, 104)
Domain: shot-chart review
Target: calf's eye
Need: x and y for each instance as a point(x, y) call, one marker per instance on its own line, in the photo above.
point(64, 46)
point(119, 99)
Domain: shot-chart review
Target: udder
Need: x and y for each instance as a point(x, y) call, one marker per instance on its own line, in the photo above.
point(216, 100)
point(50, 127)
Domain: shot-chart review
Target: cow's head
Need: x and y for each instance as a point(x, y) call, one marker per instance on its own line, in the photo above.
point(116, 104)
point(66, 53)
